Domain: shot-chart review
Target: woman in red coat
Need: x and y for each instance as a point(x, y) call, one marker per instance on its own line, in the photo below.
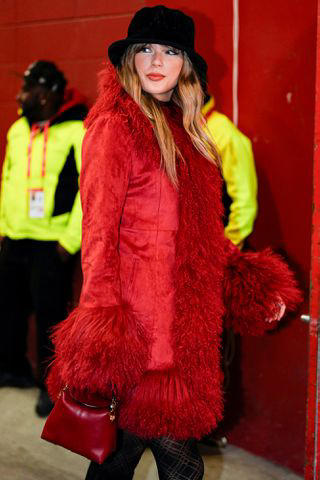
point(159, 275)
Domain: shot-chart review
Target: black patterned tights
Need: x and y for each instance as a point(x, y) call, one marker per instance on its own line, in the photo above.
point(176, 460)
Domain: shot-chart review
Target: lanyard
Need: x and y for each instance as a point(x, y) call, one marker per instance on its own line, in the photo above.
point(35, 129)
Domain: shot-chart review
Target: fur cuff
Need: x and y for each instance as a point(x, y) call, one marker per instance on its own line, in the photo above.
point(253, 284)
point(97, 349)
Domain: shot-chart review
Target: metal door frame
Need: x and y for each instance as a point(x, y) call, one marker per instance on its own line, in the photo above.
point(313, 431)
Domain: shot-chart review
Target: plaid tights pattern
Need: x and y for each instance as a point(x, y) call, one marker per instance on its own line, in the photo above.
point(176, 460)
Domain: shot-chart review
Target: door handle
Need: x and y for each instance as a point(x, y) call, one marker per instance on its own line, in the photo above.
point(305, 318)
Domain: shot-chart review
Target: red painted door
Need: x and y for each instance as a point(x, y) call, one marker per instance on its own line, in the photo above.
point(313, 437)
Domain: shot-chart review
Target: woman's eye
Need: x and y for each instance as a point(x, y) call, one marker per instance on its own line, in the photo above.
point(170, 51)
point(146, 49)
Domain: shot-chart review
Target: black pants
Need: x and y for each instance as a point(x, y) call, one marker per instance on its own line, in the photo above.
point(33, 278)
point(176, 460)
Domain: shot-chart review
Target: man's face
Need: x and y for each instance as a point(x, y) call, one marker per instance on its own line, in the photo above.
point(30, 98)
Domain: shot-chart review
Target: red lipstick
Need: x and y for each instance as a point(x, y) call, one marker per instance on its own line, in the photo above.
point(155, 77)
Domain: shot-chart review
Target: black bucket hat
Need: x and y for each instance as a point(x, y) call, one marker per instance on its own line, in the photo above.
point(164, 26)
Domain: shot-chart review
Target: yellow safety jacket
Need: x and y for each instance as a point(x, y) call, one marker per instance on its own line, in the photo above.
point(238, 171)
point(45, 159)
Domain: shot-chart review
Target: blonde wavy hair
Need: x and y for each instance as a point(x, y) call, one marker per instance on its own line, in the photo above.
point(188, 95)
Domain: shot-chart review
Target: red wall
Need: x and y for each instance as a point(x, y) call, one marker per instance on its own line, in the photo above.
point(73, 33)
point(276, 102)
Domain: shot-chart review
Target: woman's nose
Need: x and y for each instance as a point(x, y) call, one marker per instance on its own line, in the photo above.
point(157, 59)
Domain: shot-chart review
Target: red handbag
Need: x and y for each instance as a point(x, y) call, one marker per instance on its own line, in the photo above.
point(88, 430)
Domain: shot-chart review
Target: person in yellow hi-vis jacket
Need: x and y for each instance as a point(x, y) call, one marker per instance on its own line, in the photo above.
point(40, 220)
point(238, 170)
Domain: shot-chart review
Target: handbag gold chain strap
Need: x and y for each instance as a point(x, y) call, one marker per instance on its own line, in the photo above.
point(112, 407)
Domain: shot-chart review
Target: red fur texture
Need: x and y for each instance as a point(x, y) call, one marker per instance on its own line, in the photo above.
point(162, 253)
point(254, 283)
point(164, 404)
point(91, 337)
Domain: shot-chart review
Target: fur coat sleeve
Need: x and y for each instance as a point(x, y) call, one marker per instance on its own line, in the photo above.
point(254, 283)
point(100, 319)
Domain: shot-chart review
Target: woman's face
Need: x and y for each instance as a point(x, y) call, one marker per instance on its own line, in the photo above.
point(158, 68)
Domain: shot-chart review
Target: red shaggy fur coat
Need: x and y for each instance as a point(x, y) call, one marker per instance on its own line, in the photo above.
point(159, 278)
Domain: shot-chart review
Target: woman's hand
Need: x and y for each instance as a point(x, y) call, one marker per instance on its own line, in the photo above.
point(279, 315)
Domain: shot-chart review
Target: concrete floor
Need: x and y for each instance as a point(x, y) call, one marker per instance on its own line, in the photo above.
point(24, 456)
